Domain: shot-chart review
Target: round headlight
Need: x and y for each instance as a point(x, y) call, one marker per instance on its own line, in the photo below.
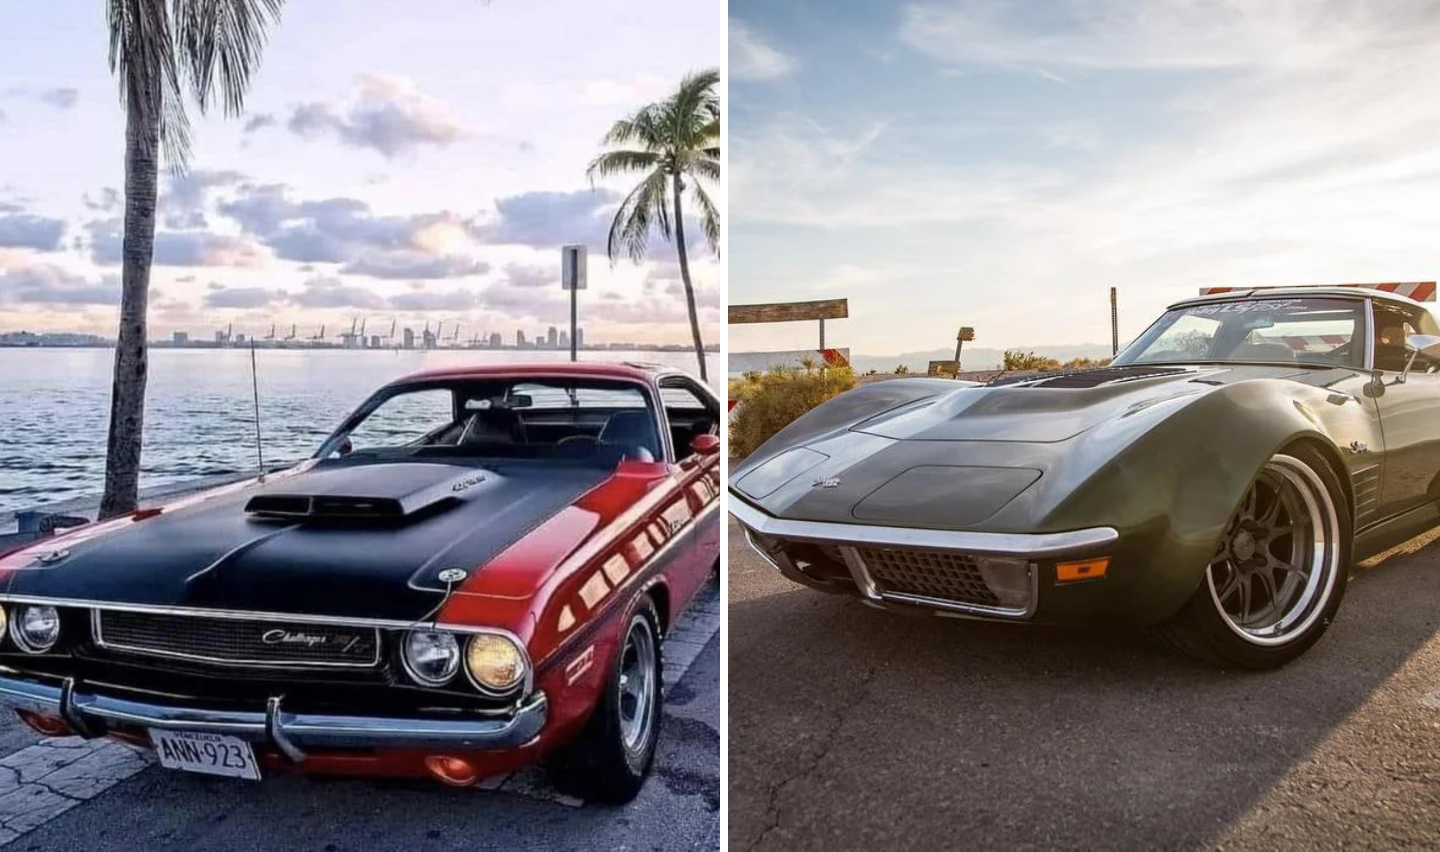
point(35, 629)
point(431, 657)
point(494, 662)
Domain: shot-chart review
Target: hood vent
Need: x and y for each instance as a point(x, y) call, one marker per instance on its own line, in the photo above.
point(1087, 378)
point(325, 508)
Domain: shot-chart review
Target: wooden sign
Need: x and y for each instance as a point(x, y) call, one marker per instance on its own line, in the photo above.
point(822, 309)
point(940, 368)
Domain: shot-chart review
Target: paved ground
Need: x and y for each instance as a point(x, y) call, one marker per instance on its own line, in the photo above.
point(852, 728)
point(69, 794)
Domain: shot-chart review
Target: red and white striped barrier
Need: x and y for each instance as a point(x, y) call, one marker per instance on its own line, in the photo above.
point(1420, 291)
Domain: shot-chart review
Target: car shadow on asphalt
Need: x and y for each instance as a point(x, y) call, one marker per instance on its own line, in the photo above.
point(851, 727)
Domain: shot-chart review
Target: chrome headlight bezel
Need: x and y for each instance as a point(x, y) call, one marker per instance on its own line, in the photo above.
point(443, 637)
point(522, 661)
point(17, 627)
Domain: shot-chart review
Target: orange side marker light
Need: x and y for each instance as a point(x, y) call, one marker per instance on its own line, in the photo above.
point(1087, 569)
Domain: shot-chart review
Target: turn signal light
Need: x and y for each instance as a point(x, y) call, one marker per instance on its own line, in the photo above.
point(1088, 569)
point(451, 770)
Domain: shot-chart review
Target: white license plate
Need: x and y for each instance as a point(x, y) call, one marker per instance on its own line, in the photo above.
point(212, 754)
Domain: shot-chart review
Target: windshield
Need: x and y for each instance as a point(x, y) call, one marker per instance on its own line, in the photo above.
point(1278, 330)
point(585, 419)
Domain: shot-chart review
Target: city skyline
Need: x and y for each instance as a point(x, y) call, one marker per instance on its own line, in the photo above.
point(414, 183)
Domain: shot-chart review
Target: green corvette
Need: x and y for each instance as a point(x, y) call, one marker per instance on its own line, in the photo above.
point(1217, 480)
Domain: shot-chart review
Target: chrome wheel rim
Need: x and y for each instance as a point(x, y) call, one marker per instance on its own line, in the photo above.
point(637, 684)
point(1276, 565)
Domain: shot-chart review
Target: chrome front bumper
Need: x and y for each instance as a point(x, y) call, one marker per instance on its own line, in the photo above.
point(91, 714)
point(850, 537)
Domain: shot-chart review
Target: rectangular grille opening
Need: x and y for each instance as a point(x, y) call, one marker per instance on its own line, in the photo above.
point(235, 641)
point(928, 573)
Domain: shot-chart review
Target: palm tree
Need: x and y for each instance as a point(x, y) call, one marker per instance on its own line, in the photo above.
point(160, 50)
point(668, 141)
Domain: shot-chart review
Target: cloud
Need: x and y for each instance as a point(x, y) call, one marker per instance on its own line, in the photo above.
point(107, 201)
point(189, 191)
point(752, 59)
point(259, 121)
point(345, 230)
point(23, 230)
point(62, 98)
point(519, 275)
point(550, 219)
point(175, 248)
point(1164, 34)
point(404, 264)
point(334, 293)
point(50, 285)
point(452, 300)
point(389, 115)
point(243, 297)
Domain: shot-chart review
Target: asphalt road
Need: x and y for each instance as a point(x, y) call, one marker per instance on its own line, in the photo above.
point(158, 809)
point(852, 728)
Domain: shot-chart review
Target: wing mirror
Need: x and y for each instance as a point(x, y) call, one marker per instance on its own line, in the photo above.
point(1420, 344)
point(709, 445)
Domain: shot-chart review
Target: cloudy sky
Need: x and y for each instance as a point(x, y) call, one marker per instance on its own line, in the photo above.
point(397, 161)
point(1002, 164)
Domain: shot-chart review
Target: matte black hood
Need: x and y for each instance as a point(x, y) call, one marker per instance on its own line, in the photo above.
point(359, 561)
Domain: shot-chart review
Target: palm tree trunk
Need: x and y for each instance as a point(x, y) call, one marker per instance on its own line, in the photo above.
point(679, 185)
point(127, 394)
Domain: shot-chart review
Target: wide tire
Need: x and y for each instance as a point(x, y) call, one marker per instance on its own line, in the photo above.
point(611, 759)
point(1279, 572)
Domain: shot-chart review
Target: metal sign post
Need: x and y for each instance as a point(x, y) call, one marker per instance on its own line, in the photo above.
point(966, 333)
point(572, 278)
point(1114, 326)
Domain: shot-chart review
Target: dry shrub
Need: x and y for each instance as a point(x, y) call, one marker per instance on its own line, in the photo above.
point(770, 401)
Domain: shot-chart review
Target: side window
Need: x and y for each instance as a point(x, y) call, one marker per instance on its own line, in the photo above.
point(689, 413)
point(404, 419)
point(1393, 325)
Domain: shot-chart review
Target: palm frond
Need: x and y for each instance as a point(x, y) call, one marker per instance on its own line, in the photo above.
point(621, 162)
point(643, 127)
point(643, 209)
point(222, 38)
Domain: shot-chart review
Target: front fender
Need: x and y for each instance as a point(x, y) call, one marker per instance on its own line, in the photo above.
point(1172, 487)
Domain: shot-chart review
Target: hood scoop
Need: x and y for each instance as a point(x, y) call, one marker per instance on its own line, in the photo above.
point(1088, 378)
point(374, 493)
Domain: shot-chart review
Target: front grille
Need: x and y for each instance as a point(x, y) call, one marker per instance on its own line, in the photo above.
point(928, 573)
point(232, 641)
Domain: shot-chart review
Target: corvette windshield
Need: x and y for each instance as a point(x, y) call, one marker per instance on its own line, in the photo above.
point(1270, 331)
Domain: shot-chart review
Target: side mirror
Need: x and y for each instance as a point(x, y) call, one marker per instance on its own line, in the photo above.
point(1420, 344)
point(705, 445)
point(345, 448)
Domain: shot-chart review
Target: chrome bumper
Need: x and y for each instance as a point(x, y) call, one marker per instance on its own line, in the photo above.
point(90, 714)
point(847, 537)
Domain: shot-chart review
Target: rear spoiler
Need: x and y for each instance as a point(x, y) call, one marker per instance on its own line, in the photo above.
point(1420, 291)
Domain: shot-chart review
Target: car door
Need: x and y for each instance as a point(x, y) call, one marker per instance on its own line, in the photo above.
point(1409, 409)
point(690, 408)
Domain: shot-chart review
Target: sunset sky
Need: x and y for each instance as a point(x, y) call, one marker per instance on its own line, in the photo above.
point(414, 162)
point(1002, 164)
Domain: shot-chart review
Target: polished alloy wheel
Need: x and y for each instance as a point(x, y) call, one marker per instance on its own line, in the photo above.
point(1276, 566)
point(637, 684)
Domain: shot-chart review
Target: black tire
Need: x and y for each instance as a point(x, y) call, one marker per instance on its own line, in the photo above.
point(1210, 628)
point(600, 766)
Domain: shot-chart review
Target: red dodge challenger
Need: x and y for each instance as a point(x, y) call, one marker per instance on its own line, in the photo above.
point(475, 571)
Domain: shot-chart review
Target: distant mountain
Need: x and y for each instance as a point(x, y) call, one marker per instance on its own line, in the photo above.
point(972, 359)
